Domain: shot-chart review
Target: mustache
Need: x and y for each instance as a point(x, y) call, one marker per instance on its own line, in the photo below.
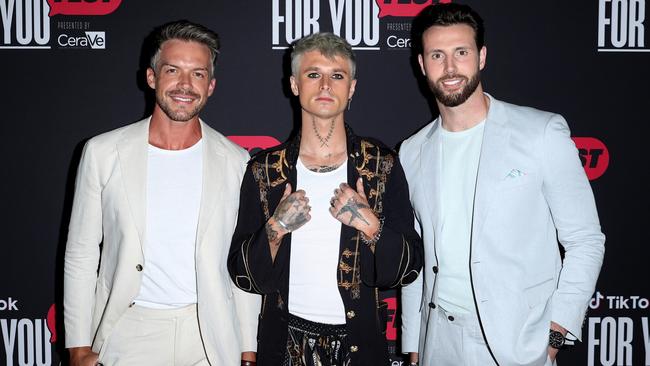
point(453, 76)
point(179, 92)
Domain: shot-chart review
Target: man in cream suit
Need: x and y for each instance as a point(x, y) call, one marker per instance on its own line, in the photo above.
point(494, 187)
point(161, 197)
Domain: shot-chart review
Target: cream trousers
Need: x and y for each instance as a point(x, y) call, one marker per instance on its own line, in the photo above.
point(146, 336)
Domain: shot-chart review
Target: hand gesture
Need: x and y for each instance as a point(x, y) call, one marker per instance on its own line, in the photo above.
point(292, 213)
point(293, 210)
point(351, 208)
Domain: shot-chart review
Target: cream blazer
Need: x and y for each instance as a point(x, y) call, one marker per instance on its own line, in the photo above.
point(109, 212)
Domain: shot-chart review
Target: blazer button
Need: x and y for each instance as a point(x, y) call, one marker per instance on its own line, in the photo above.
point(451, 318)
point(435, 269)
point(131, 304)
point(351, 314)
point(432, 305)
point(139, 267)
point(354, 348)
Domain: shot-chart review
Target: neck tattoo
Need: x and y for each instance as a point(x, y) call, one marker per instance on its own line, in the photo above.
point(323, 140)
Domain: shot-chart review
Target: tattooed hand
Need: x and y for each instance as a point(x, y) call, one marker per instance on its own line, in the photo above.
point(292, 213)
point(351, 208)
point(293, 209)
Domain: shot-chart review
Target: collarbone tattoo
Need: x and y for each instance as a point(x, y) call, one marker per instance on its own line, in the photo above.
point(324, 168)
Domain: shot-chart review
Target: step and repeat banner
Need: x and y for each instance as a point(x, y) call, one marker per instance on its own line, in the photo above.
point(71, 69)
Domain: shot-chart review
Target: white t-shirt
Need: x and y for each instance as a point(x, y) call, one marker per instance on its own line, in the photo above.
point(313, 289)
point(460, 157)
point(174, 184)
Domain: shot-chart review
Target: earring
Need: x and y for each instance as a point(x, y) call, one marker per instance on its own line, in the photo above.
point(349, 103)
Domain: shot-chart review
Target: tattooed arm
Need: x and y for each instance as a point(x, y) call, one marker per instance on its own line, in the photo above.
point(291, 214)
point(351, 208)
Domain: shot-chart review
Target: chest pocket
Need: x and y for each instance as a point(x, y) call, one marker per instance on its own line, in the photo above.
point(518, 179)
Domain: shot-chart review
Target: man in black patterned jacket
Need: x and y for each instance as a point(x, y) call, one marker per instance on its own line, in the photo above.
point(324, 223)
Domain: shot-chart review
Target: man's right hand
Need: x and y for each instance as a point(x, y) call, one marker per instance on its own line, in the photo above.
point(83, 356)
point(291, 214)
point(293, 210)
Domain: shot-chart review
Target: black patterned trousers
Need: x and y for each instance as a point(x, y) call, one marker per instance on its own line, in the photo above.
point(316, 344)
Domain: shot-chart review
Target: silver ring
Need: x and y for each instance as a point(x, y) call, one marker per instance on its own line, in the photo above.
point(284, 226)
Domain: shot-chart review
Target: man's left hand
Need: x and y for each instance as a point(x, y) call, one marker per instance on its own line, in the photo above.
point(552, 352)
point(351, 208)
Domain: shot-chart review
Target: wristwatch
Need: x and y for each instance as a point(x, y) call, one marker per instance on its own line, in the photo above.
point(556, 339)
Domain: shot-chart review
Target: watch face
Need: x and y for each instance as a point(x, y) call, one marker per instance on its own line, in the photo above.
point(555, 339)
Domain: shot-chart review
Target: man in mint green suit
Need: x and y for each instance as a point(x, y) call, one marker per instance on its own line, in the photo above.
point(494, 187)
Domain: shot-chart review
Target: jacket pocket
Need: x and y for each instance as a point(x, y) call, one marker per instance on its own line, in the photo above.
point(514, 180)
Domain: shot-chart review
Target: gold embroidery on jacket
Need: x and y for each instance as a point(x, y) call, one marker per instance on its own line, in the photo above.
point(374, 168)
point(262, 172)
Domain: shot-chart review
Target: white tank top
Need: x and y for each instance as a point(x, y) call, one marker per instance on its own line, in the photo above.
point(313, 289)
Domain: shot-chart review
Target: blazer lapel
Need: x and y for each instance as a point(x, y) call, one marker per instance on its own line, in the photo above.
point(492, 162)
point(430, 163)
point(132, 154)
point(213, 169)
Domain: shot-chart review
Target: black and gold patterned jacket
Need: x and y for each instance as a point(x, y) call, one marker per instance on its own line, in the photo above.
point(393, 261)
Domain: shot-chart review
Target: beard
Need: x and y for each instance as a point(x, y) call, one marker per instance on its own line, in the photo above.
point(179, 115)
point(459, 97)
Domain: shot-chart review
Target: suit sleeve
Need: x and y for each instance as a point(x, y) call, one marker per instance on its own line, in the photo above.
point(82, 253)
point(571, 201)
point(249, 261)
point(247, 305)
point(411, 316)
point(411, 295)
point(398, 254)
